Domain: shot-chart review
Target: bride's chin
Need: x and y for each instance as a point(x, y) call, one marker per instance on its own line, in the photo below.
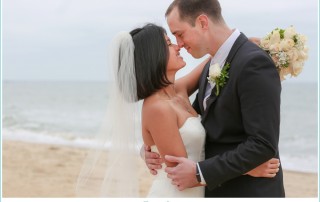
point(183, 66)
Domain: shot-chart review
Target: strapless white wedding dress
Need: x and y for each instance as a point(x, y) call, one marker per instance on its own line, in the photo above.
point(193, 136)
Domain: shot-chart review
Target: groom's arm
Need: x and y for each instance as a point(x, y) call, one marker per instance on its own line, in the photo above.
point(259, 94)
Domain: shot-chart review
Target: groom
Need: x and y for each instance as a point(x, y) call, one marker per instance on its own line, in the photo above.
point(242, 121)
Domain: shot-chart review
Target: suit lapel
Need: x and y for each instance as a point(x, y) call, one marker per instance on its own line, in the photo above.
point(203, 85)
point(237, 44)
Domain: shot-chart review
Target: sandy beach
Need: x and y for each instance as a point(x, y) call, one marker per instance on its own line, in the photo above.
point(40, 170)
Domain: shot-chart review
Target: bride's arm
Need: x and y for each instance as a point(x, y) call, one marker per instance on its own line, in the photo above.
point(255, 40)
point(189, 83)
point(159, 122)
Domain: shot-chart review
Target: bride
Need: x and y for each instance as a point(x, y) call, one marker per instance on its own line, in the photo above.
point(146, 63)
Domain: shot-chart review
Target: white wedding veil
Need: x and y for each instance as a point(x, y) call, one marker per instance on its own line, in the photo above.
point(111, 169)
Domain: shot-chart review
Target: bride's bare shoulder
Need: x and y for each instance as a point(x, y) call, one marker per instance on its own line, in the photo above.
point(154, 105)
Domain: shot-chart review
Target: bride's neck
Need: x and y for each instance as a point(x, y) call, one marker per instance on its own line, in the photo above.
point(170, 91)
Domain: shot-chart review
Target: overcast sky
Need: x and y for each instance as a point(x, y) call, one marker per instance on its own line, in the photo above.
point(68, 39)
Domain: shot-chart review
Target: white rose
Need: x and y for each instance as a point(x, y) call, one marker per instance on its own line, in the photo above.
point(286, 44)
point(293, 54)
point(289, 33)
point(303, 55)
point(297, 68)
point(275, 47)
point(302, 38)
point(214, 70)
point(265, 43)
point(275, 37)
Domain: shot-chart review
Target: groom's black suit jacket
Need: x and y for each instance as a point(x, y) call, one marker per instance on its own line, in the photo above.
point(242, 125)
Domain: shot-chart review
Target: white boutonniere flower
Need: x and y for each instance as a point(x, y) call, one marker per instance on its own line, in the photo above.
point(217, 76)
point(214, 72)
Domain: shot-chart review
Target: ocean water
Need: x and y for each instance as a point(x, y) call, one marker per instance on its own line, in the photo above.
point(70, 113)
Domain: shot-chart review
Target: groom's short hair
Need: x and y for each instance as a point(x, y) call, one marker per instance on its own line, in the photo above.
point(189, 10)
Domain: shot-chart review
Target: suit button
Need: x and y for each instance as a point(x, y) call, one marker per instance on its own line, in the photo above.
point(219, 185)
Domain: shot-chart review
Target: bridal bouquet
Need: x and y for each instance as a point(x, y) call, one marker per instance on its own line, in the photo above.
point(287, 49)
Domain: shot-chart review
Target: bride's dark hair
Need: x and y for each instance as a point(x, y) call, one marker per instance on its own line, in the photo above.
point(139, 61)
point(151, 55)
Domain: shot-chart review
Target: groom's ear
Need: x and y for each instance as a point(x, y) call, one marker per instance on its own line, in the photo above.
point(202, 21)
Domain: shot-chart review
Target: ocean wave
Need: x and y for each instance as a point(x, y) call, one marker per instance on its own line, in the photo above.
point(289, 162)
point(43, 138)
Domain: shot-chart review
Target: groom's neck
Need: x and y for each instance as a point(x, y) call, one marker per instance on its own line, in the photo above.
point(219, 34)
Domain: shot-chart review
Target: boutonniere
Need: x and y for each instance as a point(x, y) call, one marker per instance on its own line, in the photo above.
point(218, 76)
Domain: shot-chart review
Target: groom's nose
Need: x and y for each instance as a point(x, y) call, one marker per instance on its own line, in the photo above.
point(180, 43)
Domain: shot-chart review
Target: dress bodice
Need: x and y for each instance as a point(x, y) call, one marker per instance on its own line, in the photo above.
point(193, 137)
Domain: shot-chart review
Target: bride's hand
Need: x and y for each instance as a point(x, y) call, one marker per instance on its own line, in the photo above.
point(268, 169)
point(255, 40)
point(153, 160)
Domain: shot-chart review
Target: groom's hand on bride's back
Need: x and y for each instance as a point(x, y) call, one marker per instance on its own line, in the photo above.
point(153, 160)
